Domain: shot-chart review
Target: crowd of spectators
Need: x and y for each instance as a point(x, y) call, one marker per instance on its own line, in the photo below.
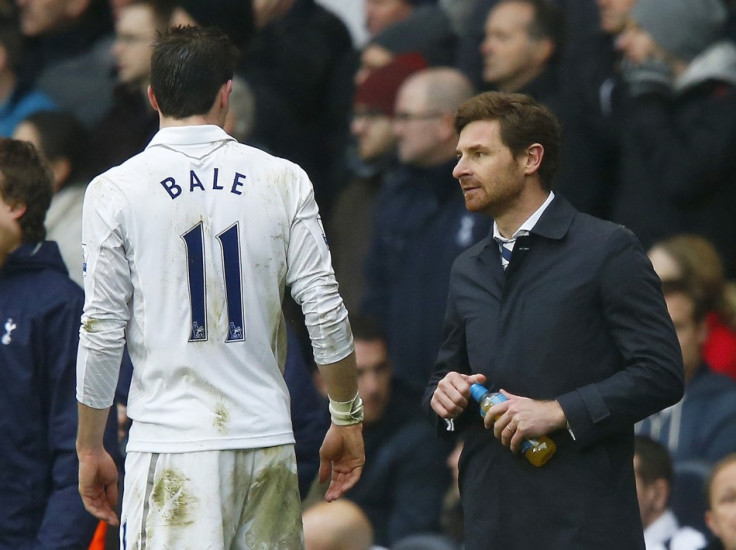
point(645, 89)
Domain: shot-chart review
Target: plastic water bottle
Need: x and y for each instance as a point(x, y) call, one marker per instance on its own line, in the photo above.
point(537, 450)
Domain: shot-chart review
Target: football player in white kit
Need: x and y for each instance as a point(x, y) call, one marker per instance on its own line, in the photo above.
point(188, 248)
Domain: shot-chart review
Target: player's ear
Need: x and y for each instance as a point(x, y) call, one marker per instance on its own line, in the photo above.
point(152, 98)
point(225, 92)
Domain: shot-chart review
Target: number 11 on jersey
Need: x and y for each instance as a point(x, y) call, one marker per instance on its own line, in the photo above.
point(230, 246)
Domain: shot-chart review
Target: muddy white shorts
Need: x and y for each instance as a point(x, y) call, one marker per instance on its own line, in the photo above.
point(232, 499)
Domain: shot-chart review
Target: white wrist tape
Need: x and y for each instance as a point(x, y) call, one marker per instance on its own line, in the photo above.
point(345, 413)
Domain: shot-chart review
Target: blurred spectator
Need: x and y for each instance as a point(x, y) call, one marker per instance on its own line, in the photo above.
point(523, 38)
point(299, 67)
point(69, 54)
point(40, 506)
point(654, 477)
point(592, 91)
point(678, 171)
point(131, 122)
point(703, 424)
point(522, 52)
point(405, 476)
point(62, 142)
point(371, 156)
point(721, 514)
point(421, 226)
point(18, 99)
point(338, 525)
point(427, 32)
point(694, 259)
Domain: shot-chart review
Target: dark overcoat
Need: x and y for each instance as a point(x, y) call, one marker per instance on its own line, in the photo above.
point(579, 317)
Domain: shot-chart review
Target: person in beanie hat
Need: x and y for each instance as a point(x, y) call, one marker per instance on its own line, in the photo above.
point(683, 28)
point(369, 159)
point(679, 124)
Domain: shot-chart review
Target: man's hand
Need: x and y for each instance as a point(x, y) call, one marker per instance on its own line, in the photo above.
point(98, 485)
point(343, 455)
point(452, 394)
point(522, 418)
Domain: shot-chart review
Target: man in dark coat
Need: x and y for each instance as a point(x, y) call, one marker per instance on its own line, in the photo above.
point(564, 313)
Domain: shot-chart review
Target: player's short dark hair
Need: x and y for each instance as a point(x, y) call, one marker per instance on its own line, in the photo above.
point(25, 179)
point(188, 67)
point(654, 460)
point(523, 122)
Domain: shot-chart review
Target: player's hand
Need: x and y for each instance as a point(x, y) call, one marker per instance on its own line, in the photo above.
point(98, 485)
point(343, 455)
point(522, 418)
point(452, 394)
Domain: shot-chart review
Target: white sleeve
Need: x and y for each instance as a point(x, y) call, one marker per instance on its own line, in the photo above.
point(312, 280)
point(108, 290)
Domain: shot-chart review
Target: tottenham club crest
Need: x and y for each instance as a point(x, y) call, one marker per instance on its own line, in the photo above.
point(10, 326)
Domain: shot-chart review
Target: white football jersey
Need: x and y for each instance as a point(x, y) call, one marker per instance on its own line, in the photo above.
point(188, 247)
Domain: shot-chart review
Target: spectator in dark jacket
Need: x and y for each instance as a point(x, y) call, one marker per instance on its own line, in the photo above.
point(702, 426)
point(40, 307)
point(678, 171)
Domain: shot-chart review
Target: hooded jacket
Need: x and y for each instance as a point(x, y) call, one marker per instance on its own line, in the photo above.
point(40, 309)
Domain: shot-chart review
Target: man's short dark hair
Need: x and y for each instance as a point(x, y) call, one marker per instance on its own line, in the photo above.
point(188, 67)
point(523, 122)
point(654, 460)
point(25, 179)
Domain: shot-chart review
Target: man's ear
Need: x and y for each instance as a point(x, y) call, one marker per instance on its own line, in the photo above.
point(225, 92)
point(544, 51)
point(152, 98)
point(533, 158)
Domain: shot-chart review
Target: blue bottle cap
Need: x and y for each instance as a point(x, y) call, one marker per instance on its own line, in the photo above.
point(478, 391)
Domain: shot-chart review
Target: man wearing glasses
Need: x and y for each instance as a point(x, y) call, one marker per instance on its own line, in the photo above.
point(421, 225)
